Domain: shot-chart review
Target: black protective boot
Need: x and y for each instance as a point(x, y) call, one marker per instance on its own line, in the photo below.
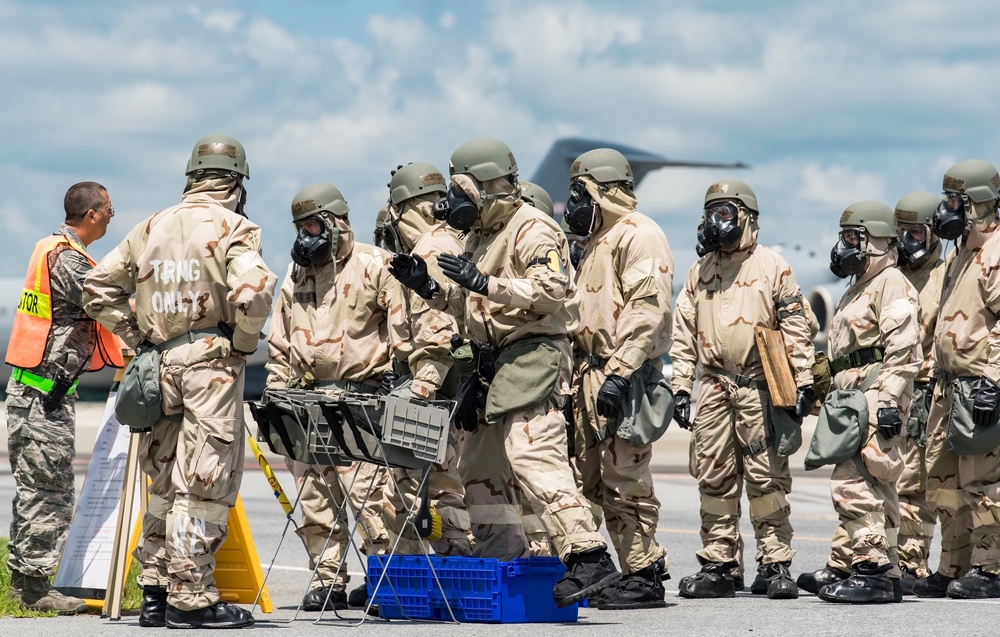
point(813, 582)
point(314, 599)
point(779, 581)
point(897, 590)
point(738, 583)
point(359, 596)
point(586, 574)
point(218, 615)
point(907, 580)
point(934, 586)
point(641, 589)
point(153, 612)
point(714, 580)
point(976, 584)
point(868, 584)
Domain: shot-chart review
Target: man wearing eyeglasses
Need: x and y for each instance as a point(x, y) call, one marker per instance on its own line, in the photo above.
point(53, 343)
point(963, 434)
point(737, 286)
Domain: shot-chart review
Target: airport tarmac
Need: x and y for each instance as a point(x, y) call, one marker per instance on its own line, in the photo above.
point(812, 517)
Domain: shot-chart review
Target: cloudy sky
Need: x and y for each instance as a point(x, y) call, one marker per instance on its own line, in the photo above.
point(829, 102)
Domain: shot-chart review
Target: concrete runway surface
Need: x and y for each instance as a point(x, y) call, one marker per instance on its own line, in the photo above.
point(812, 517)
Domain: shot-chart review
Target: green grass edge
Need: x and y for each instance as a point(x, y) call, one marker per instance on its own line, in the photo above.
point(131, 600)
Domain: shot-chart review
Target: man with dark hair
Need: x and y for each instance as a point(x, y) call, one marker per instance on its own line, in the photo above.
point(53, 342)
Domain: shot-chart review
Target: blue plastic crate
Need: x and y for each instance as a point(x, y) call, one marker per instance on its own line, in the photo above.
point(478, 590)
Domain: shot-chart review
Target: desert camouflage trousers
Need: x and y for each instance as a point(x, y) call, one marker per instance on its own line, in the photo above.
point(196, 467)
point(446, 495)
point(615, 474)
point(916, 516)
point(869, 513)
point(324, 528)
point(526, 452)
point(728, 452)
point(42, 448)
point(944, 490)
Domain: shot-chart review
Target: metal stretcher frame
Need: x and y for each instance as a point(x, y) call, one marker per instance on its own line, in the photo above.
point(388, 431)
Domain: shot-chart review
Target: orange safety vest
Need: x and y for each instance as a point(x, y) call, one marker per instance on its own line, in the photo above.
point(33, 320)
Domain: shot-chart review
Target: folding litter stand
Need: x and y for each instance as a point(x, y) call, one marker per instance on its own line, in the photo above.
point(316, 428)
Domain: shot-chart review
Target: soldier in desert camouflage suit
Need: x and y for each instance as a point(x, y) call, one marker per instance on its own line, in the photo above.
point(515, 288)
point(41, 436)
point(622, 300)
point(963, 487)
point(202, 294)
point(874, 347)
point(407, 224)
point(920, 261)
point(332, 330)
point(738, 285)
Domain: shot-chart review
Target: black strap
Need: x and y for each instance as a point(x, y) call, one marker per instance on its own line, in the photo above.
point(784, 313)
point(754, 448)
point(857, 358)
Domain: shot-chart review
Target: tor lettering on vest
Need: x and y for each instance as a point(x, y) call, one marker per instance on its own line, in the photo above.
point(29, 304)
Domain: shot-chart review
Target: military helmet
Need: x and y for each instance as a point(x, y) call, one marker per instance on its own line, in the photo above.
point(220, 153)
point(732, 189)
point(876, 218)
point(973, 177)
point(917, 207)
point(537, 196)
point(484, 158)
point(317, 198)
point(414, 179)
point(603, 165)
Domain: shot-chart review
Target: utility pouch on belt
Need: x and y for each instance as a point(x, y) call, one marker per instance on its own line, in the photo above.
point(842, 427)
point(647, 409)
point(525, 375)
point(137, 404)
point(964, 437)
point(916, 426)
point(783, 429)
point(822, 376)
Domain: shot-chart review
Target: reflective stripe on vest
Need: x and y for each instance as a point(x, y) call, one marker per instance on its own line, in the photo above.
point(33, 319)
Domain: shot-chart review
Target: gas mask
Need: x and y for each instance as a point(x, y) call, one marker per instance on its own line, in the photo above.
point(313, 246)
point(240, 207)
point(579, 210)
point(915, 245)
point(386, 234)
point(948, 221)
point(722, 226)
point(703, 247)
point(849, 256)
point(457, 209)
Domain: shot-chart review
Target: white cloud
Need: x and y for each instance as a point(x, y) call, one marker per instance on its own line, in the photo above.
point(829, 104)
point(839, 185)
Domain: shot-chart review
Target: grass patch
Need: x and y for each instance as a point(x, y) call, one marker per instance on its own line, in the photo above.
point(131, 600)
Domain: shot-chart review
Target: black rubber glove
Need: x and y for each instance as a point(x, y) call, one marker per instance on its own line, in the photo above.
point(805, 398)
point(463, 271)
point(929, 396)
point(228, 331)
point(682, 409)
point(610, 395)
point(984, 403)
point(889, 422)
point(54, 399)
point(411, 271)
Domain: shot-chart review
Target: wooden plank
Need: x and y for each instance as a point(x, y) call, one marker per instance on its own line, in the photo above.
point(777, 369)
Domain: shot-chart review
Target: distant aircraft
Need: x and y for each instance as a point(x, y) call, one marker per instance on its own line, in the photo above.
point(552, 175)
